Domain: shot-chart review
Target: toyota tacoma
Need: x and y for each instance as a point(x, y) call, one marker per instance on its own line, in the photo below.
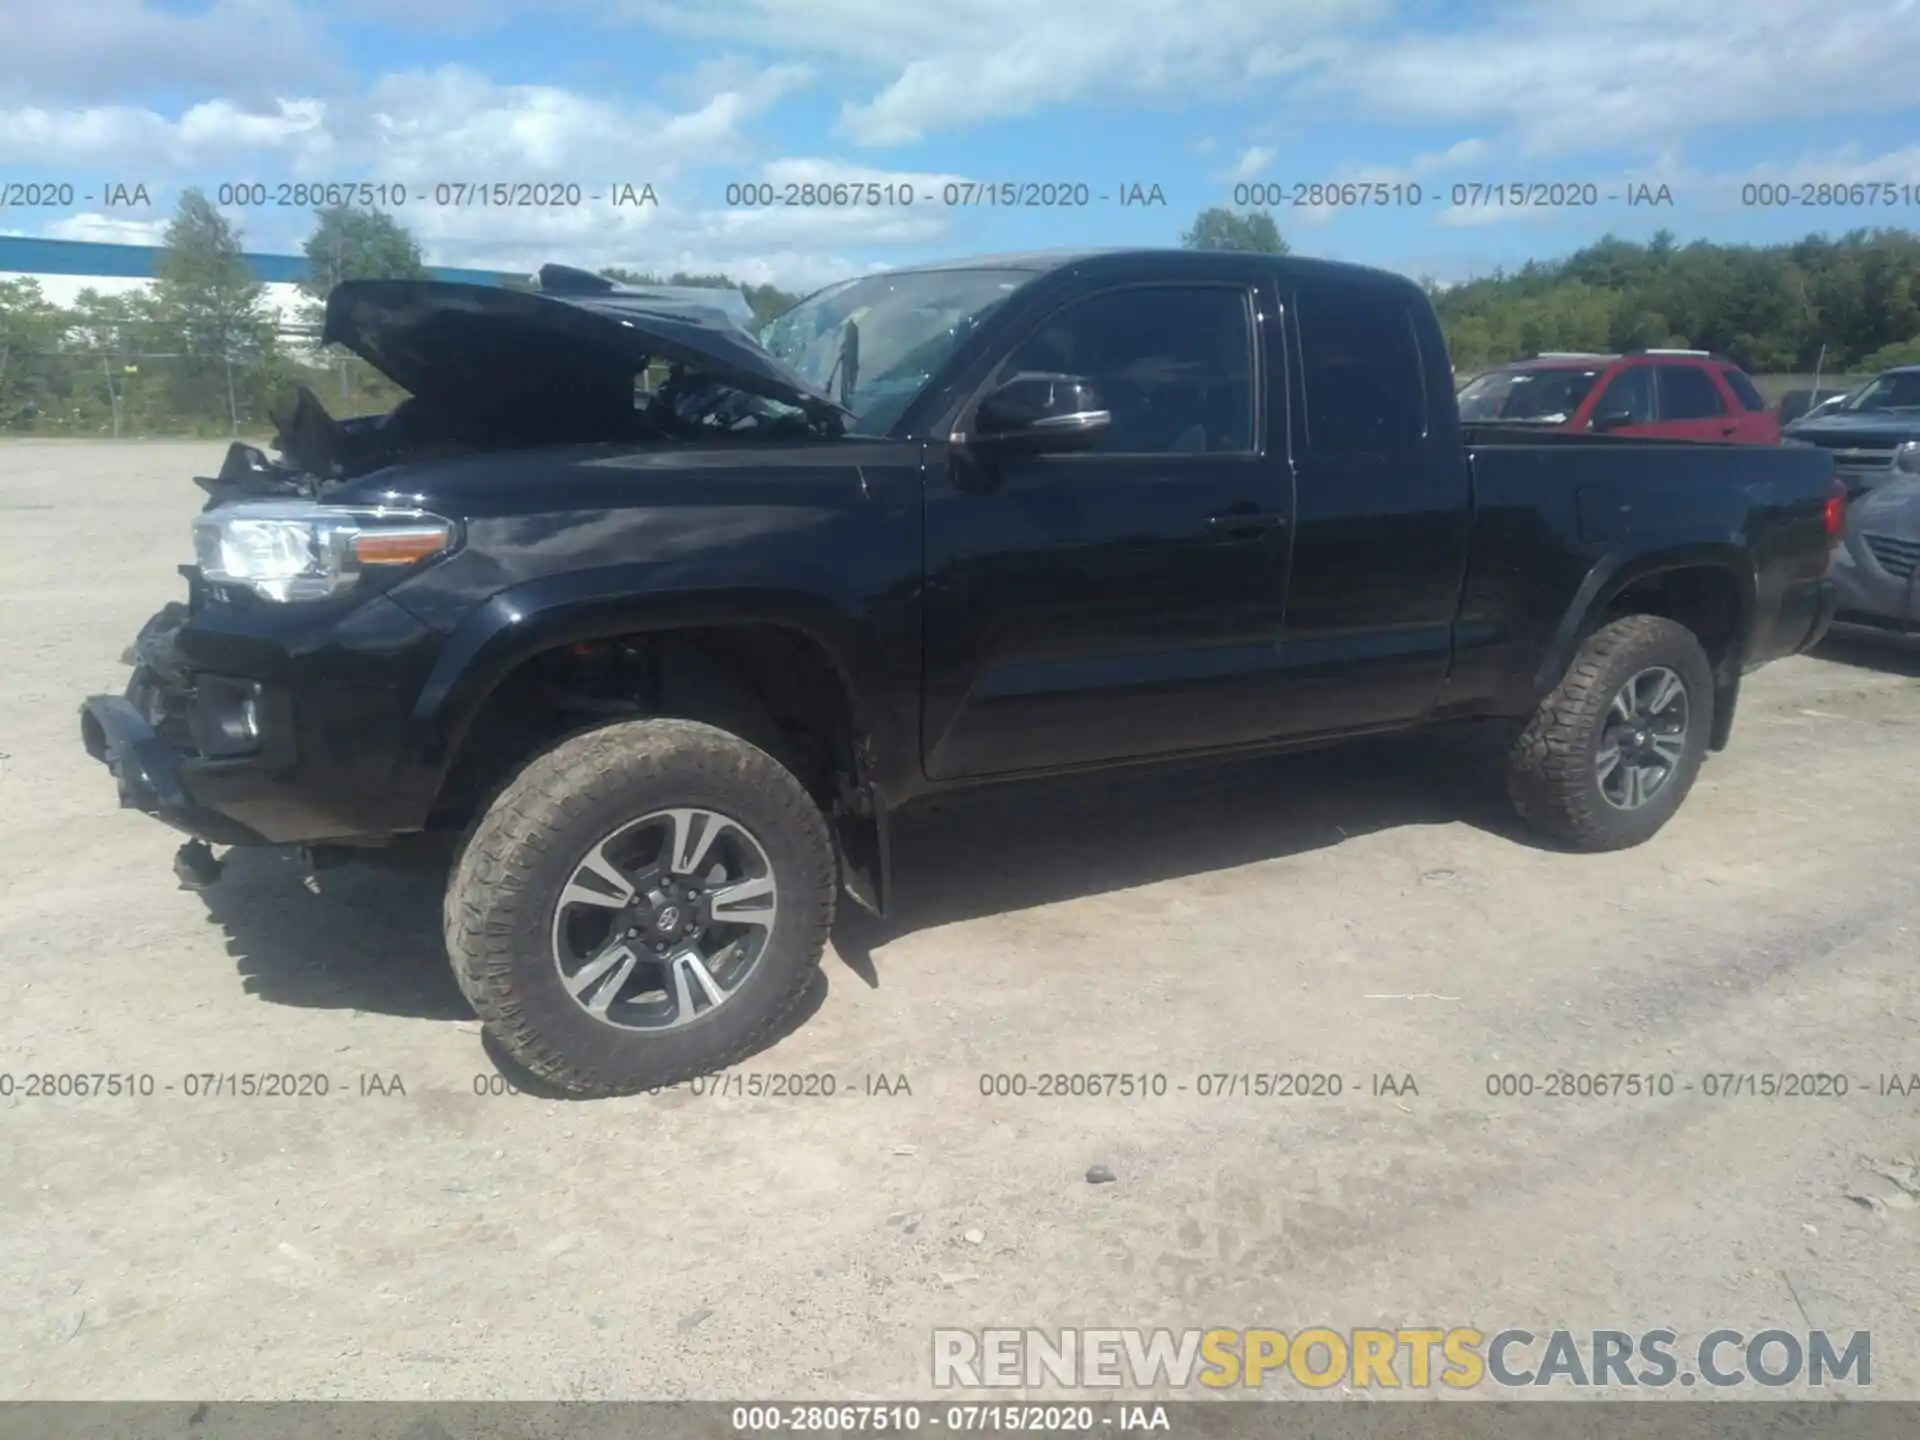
point(660, 620)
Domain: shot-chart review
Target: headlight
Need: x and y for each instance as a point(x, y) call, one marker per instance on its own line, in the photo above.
point(300, 550)
point(1906, 459)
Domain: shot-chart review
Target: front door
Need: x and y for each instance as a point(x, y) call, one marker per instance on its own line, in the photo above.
point(1125, 601)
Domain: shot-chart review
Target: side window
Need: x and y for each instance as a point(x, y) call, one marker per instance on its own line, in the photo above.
point(1743, 387)
point(1688, 393)
point(1174, 364)
point(1630, 393)
point(1361, 371)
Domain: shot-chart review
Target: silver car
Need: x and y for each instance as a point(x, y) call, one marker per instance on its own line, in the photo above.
point(1876, 571)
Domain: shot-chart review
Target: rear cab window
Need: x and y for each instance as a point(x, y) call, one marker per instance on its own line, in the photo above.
point(1362, 372)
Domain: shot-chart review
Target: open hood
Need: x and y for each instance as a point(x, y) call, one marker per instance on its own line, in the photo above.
point(456, 343)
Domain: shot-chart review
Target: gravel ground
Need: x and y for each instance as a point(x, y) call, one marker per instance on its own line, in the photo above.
point(1371, 913)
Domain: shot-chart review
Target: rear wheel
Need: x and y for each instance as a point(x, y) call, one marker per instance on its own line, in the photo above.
point(644, 903)
point(1612, 751)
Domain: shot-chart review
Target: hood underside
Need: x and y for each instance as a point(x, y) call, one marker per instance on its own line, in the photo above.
point(580, 337)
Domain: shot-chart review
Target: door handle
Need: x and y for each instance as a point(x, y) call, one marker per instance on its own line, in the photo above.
point(1729, 429)
point(1240, 522)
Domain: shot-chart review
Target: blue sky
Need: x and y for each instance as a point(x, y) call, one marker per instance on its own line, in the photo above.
point(1192, 96)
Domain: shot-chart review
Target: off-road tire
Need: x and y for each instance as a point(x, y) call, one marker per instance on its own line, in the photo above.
point(501, 896)
point(1551, 777)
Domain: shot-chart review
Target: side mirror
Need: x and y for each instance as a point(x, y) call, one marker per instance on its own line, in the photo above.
point(1613, 420)
point(1042, 413)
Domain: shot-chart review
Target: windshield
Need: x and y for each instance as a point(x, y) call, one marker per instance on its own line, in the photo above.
point(1896, 390)
point(905, 326)
point(1544, 397)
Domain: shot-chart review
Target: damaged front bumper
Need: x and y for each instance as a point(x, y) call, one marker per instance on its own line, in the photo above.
point(150, 773)
point(264, 728)
point(143, 736)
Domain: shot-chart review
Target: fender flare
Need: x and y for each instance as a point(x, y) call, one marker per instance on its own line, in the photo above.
point(1613, 574)
point(525, 620)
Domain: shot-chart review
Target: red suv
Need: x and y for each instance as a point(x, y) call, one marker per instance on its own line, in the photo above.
point(1669, 394)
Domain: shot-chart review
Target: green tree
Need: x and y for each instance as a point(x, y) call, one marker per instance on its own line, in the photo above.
point(350, 242)
point(767, 300)
point(32, 393)
point(1905, 352)
point(112, 386)
point(1218, 228)
point(1772, 308)
point(212, 313)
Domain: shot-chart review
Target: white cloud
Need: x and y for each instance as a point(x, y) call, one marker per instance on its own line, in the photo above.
point(454, 124)
point(1847, 165)
point(964, 61)
point(1594, 75)
point(104, 51)
point(1441, 164)
point(1852, 171)
point(793, 245)
point(420, 126)
point(113, 230)
point(142, 142)
point(1251, 163)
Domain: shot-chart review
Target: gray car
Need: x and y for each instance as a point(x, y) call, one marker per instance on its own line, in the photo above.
point(1873, 433)
point(1876, 571)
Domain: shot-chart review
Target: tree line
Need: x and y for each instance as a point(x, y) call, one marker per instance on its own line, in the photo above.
point(200, 350)
point(1846, 303)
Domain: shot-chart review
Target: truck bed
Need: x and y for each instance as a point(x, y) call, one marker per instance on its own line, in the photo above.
point(1555, 514)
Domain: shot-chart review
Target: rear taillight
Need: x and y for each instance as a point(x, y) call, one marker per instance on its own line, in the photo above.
point(1836, 513)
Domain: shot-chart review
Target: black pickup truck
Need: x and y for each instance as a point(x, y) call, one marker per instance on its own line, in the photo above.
point(664, 619)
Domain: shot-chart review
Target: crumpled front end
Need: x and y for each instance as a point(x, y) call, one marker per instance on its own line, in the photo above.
point(241, 730)
point(143, 737)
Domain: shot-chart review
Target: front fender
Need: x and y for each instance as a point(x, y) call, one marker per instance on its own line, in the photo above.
point(529, 619)
point(539, 615)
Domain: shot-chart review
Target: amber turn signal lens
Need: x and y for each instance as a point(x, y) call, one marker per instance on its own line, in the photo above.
point(398, 547)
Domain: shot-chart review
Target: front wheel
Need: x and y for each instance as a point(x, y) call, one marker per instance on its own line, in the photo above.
point(644, 903)
point(1613, 750)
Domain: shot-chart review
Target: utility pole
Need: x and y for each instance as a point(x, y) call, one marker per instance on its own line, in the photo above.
point(112, 399)
point(337, 264)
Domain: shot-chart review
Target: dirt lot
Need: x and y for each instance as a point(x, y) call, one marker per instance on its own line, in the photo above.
point(1372, 913)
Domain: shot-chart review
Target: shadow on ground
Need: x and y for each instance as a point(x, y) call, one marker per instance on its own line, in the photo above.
point(1887, 653)
point(352, 938)
point(1039, 844)
point(365, 938)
